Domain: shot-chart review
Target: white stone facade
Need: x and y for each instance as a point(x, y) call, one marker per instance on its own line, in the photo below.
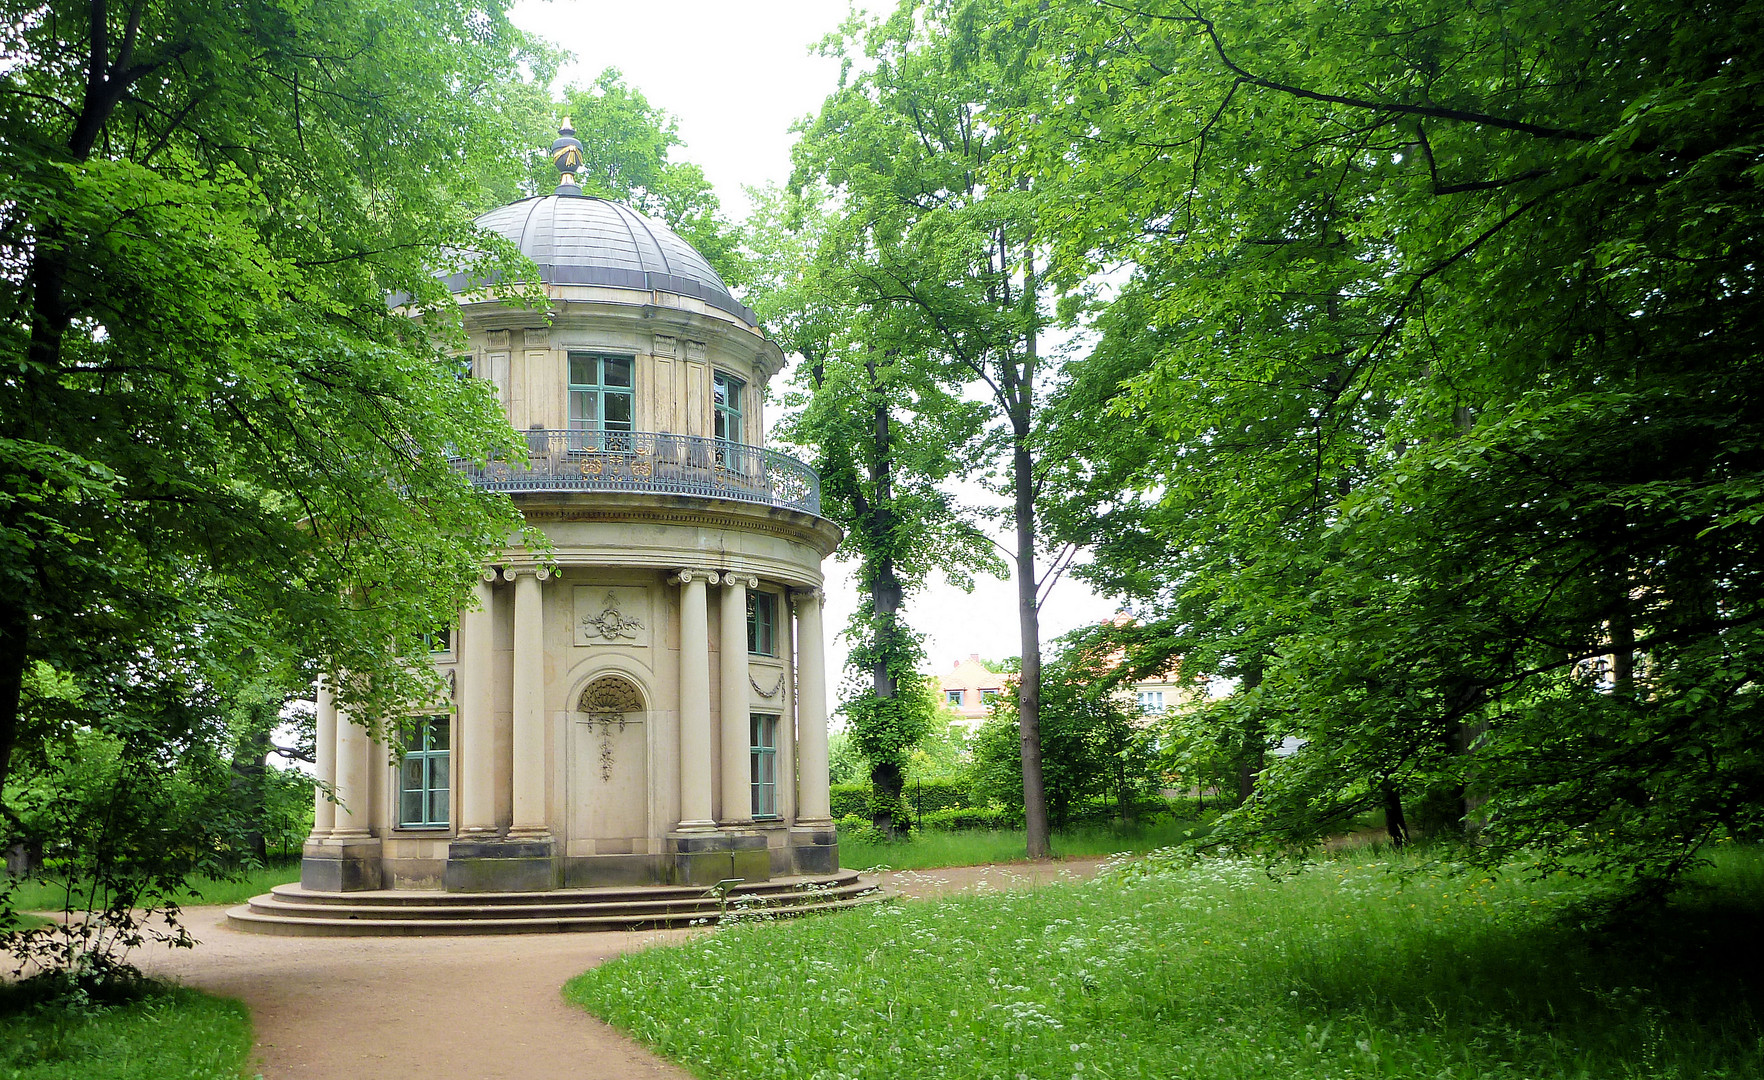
point(608, 714)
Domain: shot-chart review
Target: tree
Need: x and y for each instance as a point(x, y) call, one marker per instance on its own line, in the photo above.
point(626, 146)
point(886, 434)
point(223, 455)
point(1093, 743)
point(906, 145)
point(1444, 322)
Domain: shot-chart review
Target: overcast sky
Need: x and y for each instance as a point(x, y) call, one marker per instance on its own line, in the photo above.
point(736, 74)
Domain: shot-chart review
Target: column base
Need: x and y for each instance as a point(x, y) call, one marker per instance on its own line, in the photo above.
point(341, 864)
point(498, 865)
point(701, 858)
point(814, 848)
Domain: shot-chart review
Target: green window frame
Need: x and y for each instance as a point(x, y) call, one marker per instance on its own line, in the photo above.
point(726, 393)
point(602, 401)
point(763, 759)
point(424, 774)
point(762, 624)
point(439, 640)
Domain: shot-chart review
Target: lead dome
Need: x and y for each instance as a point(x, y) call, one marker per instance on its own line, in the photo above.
point(583, 240)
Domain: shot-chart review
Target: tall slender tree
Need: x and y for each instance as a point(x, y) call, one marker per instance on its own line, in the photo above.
point(886, 435)
point(908, 144)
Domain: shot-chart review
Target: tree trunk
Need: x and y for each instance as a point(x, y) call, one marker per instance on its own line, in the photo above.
point(1253, 758)
point(887, 812)
point(1029, 682)
point(249, 771)
point(1394, 824)
point(15, 630)
point(1022, 403)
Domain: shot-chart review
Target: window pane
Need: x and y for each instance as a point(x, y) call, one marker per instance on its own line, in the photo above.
point(412, 773)
point(582, 370)
point(410, 808)
point(438, 771)
point(617, 370)
point(438, 807)
point(618, 412)
point(582, 408)
point(439, 730)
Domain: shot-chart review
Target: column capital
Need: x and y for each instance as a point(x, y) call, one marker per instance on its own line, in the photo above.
point(805, 596)
point(749, 580)
point(509, 573)
point(687, 575)
point(488, 574)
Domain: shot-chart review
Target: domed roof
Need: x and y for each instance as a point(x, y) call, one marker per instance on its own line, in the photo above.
point(581, 240)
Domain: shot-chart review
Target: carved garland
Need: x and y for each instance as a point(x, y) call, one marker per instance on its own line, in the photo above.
point(607, 700)
point(610, 623)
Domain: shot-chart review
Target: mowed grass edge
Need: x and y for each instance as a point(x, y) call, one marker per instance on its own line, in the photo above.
point(171, 1033)
point(48, 894)
point(930, 849)
point(1216, 970)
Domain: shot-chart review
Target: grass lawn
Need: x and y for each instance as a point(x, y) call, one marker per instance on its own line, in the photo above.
point(1215, 970)
point(171, 1034)
point(926, 849)
point(51, 895)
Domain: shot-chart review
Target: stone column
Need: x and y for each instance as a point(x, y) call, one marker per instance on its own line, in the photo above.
point(529, 822)
point(324, 811)
point(695, 717)
point(737, 794)
point(477, 717)
point(813, 798)
point(353, 815)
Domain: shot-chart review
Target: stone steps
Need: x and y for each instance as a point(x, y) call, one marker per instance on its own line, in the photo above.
point(291, 910)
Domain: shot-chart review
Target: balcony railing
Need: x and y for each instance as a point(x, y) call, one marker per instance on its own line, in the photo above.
point(647, 461)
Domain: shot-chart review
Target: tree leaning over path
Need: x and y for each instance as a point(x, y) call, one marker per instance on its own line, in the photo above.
point(223, 456)
point(1440, 385)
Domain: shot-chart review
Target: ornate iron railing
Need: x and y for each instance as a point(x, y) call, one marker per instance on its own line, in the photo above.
point(648, 461)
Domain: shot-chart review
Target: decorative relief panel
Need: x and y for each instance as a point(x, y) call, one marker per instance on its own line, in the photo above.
point(695, 351)
point(664, 345)
point(612, 615)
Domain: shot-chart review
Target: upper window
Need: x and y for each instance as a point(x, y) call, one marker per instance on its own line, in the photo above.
point(763, 761)
point(439, 640)
point(762, 624)
point(600, 401)
point(1151, 702)
point(423, 774)
point(988, 693)
point(954, 697)
point(727, 391)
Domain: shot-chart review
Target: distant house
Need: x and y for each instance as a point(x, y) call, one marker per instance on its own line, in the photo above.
point(968, 689)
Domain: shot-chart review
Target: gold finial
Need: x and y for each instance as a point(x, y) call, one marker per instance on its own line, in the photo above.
point(566, 155)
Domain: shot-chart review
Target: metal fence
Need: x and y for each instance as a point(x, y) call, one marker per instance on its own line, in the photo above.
point(648, 461)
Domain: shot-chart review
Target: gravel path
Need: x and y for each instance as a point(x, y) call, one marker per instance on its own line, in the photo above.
point(460, 1008)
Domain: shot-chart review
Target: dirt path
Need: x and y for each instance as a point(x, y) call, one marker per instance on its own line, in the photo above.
point(460, 1008)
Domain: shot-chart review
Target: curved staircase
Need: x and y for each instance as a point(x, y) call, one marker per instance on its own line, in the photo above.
point(291, 910)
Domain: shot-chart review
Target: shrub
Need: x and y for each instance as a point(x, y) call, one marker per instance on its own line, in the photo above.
point(919, 796)
point(958, 818)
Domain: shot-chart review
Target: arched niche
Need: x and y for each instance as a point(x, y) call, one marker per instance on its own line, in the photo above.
point(609, 763)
